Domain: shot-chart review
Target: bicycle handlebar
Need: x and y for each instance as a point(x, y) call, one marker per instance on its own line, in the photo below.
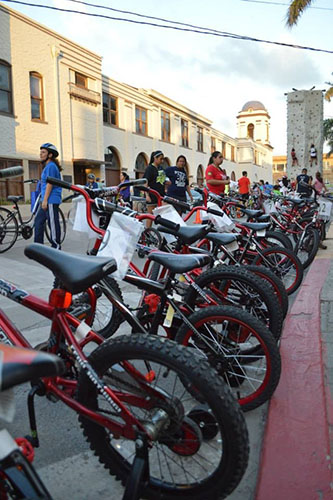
point(173, 201)
point(31, 181)
point(11, 172)
point(59, 183)
point(166, 223)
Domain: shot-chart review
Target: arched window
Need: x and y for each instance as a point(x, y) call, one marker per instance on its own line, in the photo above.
point(36, 96)
point(200, 175)
point(141, 163)
point(232, 176)
point(6, 92)
point(250, 130)
point(112, 166)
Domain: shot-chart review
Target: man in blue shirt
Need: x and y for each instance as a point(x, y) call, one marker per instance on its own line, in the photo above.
point(50, 197)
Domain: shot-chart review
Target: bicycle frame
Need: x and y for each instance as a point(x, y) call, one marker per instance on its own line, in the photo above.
point(64, 388)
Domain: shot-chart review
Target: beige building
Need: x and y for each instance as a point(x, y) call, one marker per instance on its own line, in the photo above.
point(53, 90)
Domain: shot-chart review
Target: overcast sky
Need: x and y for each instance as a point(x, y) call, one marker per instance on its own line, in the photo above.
point(213, 76)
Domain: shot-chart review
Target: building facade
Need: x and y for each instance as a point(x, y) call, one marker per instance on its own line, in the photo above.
point(53, 90)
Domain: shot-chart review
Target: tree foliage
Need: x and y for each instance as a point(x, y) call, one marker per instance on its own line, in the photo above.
point(328, 134)
point(296, 9)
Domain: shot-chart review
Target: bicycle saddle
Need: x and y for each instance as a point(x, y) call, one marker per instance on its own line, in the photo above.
point(263, 218)
point(76, 272)
point(221, 238)
point(295, 201)
point(19, 365)
point(252, 213)
point(179, 263)
point(256, 226)
point(15, 199)
point(187, 234)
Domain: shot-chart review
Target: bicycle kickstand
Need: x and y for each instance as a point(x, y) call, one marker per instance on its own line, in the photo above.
point(33, 438)
point(140, 470)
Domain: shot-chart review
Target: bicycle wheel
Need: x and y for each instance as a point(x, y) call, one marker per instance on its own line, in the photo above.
point(278, 239)
point(285, 264)
point(152, 238)
point(8, 229)
point(184, 462)
point(239, 347)
point(104, 319)
point(307, 246)
point(235, 286)
point(63, 228)
point(275, 282)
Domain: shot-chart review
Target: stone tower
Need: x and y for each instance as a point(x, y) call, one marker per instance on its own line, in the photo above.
point(304, 128)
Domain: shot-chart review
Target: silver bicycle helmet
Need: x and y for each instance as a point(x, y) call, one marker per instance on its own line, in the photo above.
point(50, 148)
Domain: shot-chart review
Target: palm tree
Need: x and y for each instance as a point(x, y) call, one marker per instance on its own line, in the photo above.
point(328, 134)
point(295, 11)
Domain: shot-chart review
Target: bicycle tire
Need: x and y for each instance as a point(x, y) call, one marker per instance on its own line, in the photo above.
point(8, 226)
point(237, 286)
point(151, 237)
point(275, 282)
point(306, 249)
point(174, 361)
point(242, 351)
point(63, 228)
point(106, 319)
point(288, 267)
point(279, 238)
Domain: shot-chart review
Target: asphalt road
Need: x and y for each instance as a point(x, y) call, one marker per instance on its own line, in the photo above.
point(64, 460)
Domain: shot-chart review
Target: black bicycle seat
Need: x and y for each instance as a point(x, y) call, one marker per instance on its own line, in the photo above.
point(263, 218)
point(187, 234)
point(15, 199)
point(19, 365)
point(295, 201)
point(179, 263)
point(221, 238)
point(76, 272)
point(256, 226)
point(252, 213)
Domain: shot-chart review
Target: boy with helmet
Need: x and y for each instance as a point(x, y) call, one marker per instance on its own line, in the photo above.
point(92, 184)
point(50, 196)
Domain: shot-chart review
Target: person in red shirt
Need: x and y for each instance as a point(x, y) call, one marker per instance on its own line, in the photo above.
point(216, 179)
point(244, 186)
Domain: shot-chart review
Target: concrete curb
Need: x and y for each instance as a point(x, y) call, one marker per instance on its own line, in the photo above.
point(296, 453)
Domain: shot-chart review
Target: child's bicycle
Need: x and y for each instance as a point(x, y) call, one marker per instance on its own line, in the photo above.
point(134, 394)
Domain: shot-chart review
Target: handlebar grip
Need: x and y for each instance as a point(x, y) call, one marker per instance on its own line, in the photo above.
point(134, 182)
point(215, 212)
point(11, 172)
point(166, 223)
point(58, 182)
point(178, 203)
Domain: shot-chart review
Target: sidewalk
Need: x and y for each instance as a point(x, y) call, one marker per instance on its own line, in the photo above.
point(296, 460)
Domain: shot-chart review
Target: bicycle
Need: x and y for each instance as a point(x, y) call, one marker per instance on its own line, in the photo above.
point(12, 224)
point(137, 389)
point(18, 478)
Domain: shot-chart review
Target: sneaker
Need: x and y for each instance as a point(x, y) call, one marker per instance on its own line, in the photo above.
point(322, 246)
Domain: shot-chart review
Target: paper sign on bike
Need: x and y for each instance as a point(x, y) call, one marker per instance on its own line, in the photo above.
point(222, 223)
point(120, 240)
point(80, 221)
point(325, 208)
point(233, 246)
point(261, 233)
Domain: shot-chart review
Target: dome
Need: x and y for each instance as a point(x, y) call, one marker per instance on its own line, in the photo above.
point(254, 105)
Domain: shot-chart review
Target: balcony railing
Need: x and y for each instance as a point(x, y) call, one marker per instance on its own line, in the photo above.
point(84, 94)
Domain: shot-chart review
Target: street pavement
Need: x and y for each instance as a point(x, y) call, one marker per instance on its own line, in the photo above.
point(64, 460)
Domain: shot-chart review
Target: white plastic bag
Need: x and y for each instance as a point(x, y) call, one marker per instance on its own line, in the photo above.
point(169, 212)
point(80, 219)
point(120, 240)
point(222, 223)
